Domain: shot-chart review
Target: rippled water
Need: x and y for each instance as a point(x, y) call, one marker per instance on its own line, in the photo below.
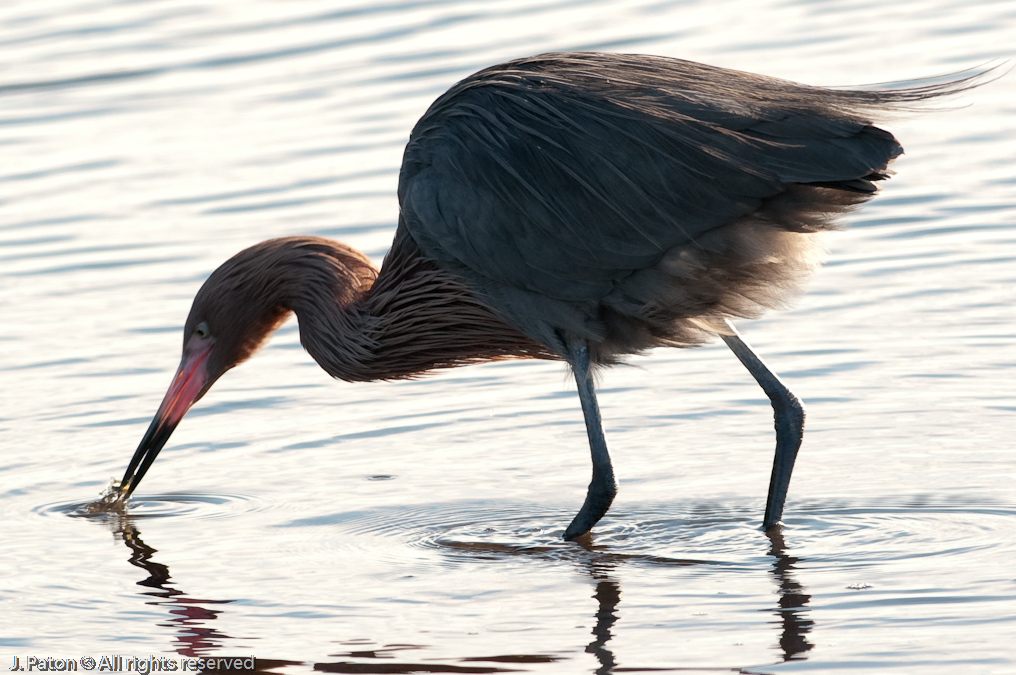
point(415, 527)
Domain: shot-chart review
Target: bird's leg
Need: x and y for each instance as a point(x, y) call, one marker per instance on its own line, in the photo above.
point(788, 412)
point(602, 488)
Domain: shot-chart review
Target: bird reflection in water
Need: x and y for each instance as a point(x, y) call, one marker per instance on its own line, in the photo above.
point(602, 563)
point(608, 597)
point(792, 610)
point(189, 617)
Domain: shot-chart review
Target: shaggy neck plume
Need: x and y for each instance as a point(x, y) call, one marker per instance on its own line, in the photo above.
point(410, 318)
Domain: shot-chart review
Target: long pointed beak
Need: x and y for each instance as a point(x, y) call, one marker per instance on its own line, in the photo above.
point(189, 384)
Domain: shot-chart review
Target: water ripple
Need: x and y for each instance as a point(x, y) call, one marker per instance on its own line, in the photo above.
point(715, 535)
point(192, 505)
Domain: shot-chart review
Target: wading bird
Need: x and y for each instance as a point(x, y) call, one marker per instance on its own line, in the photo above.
point(572, 206)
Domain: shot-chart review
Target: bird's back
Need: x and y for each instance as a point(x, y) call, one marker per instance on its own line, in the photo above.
point(635, 201)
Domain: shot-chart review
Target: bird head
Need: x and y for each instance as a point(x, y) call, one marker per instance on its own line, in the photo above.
point(233, 313)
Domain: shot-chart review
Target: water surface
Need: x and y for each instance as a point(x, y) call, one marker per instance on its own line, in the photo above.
point(415, 527)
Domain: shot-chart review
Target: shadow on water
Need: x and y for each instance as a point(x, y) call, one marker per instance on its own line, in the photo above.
point(190, 618)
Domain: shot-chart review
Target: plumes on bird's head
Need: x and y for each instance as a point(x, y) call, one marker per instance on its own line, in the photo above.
point(251, 294)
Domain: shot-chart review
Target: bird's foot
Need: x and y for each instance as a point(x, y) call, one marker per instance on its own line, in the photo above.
point(598, 501)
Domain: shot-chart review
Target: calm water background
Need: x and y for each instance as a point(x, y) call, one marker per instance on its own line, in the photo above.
point(414, 527)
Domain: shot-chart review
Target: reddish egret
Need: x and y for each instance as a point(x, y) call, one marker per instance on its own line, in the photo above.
point(579, 207)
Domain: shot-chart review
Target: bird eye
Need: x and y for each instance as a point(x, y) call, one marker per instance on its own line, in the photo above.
point(201, 330)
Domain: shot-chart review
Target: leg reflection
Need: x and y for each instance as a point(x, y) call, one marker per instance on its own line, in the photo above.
point(793, 606)
point(608, 595)
point(189, 617)
point(598, 561)
point(599, 565)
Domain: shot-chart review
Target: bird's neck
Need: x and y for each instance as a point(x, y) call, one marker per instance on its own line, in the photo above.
point(413, 318)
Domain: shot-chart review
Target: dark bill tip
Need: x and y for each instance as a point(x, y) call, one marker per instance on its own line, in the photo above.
point(155, 438)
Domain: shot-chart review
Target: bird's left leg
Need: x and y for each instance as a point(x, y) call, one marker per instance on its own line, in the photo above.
point(788, 413)
point(603, 487)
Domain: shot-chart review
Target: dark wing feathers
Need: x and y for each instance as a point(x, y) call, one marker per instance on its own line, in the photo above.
point(562, 174)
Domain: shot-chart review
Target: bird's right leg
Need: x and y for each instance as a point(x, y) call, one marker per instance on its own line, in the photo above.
point(788, 413)
point(602, 488)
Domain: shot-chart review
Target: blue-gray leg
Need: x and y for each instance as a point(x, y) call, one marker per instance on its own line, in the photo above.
point(602, 488)
point(788, 414)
